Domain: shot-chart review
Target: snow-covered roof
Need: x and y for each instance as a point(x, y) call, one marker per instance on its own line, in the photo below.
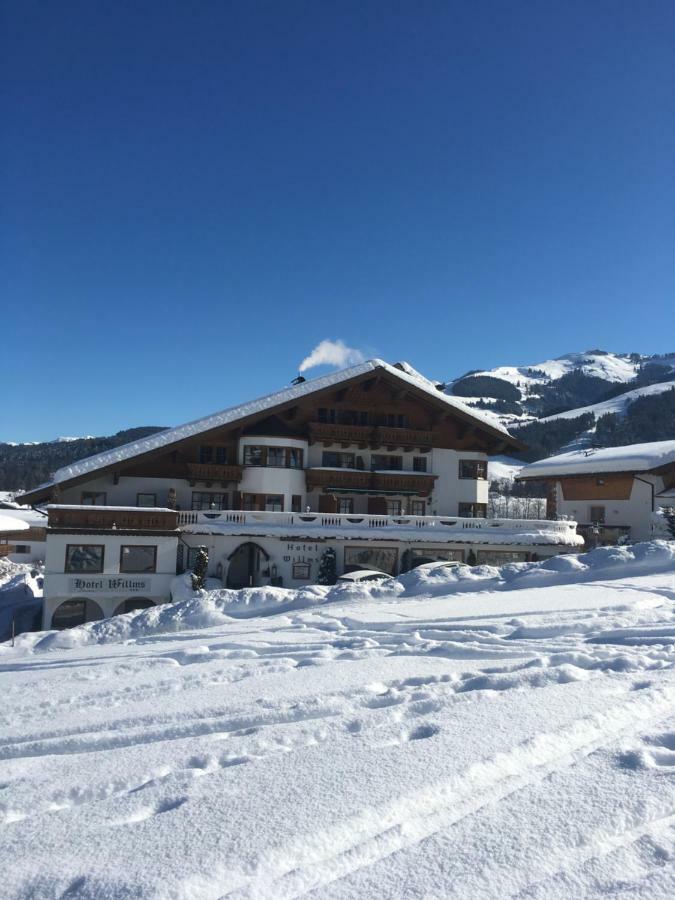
point(632, 458)
point(234, 413)
point(8, 523)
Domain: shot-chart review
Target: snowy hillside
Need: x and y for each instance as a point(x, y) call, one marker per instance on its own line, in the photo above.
point(579, 388)
point(502, 740)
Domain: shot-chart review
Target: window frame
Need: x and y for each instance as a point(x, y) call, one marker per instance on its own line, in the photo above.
point(67, 568)
point(598, 520)
point(84, 494)
point(146, 494)
point(473, 507)
point(224, 500)
point(349, 501)
point(478, 465)
point(152, 571)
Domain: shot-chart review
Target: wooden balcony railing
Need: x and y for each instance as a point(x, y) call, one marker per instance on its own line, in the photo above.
point(331, 433)
point(364, 435)
point(403, 483)
point(211, 472)
point(112, 517)
point(348, 479)
point(404, 437)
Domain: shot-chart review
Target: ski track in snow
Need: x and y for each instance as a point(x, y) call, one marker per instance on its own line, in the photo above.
point(318, 752)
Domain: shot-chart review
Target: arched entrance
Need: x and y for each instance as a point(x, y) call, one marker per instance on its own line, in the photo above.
point(245, 566)
point(76, 612)
point(133, 604)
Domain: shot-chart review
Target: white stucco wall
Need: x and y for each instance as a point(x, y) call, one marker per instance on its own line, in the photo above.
point(634, 512)
point(450, 490)
point(60, 585)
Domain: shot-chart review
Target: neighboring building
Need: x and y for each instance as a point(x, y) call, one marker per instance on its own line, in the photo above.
point(374, 462)
point(27, 542)
point(611, 492)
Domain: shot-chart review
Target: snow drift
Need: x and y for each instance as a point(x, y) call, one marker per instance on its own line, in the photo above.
point(205, 609)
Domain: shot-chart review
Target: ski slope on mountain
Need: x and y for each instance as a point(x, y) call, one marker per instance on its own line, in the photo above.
point(474, 744)
point(616, 405)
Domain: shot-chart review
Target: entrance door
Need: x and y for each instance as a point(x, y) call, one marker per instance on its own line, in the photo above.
point(245, 566)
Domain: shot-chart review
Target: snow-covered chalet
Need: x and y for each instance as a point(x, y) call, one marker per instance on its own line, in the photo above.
point(614, 493)
point(374, 462)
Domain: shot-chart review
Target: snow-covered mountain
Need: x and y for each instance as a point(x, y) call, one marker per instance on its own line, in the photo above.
point(578, 388)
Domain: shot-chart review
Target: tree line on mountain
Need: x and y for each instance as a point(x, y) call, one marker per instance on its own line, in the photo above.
point(23, 466)
point(650, 418)
point(572, 390)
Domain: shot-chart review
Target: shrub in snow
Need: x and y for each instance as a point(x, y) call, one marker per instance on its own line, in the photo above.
point(199, 570)
point(327, 567)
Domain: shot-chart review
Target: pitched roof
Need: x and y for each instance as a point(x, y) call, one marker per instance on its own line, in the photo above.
point(631, 458)
point(271, 401)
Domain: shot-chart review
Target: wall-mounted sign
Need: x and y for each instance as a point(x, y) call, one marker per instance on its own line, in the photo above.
point(110, 584)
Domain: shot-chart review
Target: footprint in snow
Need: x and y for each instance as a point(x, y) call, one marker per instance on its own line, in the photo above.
point(422, 732)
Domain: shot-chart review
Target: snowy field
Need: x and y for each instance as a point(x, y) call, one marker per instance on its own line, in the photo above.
point(501, 734)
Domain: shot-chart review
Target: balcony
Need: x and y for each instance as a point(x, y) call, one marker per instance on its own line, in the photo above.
point(366, 435)
point(433, 528)
point(404, 437)
point(374, 482)
point(332, 433)
point(212, 472)
point(404, 483)
point(345, 479)
point(107, 518)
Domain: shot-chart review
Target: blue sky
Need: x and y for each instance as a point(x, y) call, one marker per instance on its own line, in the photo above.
point(196, 194)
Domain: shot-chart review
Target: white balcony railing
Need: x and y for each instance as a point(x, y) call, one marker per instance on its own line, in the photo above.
point(359, 522)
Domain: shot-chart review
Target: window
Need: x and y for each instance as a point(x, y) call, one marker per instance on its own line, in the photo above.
point(301, 571)
point(69, 614)
point(500, 557)
point(253, 456)
point(274, 503)
point(345, 505)
point(419, 463)
point(276, 456)
point(192, 556)
point(381, 558)
point(209, 500)
point(472, 468)
point(294, 458)
point(221, 456)
point(333, 460)
point(472, 510)
point(138, 558)
point(250, 502)
point(598, 514)
point(296, 503)
point(393, 507)
point(146, 499)
point(93, 498)
point(380, 462)
point(205, 454)
point(22, 548)
point(327, 415)
point(84, 558)
point(417, 508)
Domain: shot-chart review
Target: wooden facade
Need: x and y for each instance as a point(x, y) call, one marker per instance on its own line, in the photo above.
point(398, 415)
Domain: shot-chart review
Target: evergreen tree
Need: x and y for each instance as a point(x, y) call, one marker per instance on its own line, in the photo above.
point(327, 567)
point(471, 558)
point(669, 515)
point(199, 569)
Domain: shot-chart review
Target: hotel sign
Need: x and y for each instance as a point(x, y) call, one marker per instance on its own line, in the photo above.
point(110, 584)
